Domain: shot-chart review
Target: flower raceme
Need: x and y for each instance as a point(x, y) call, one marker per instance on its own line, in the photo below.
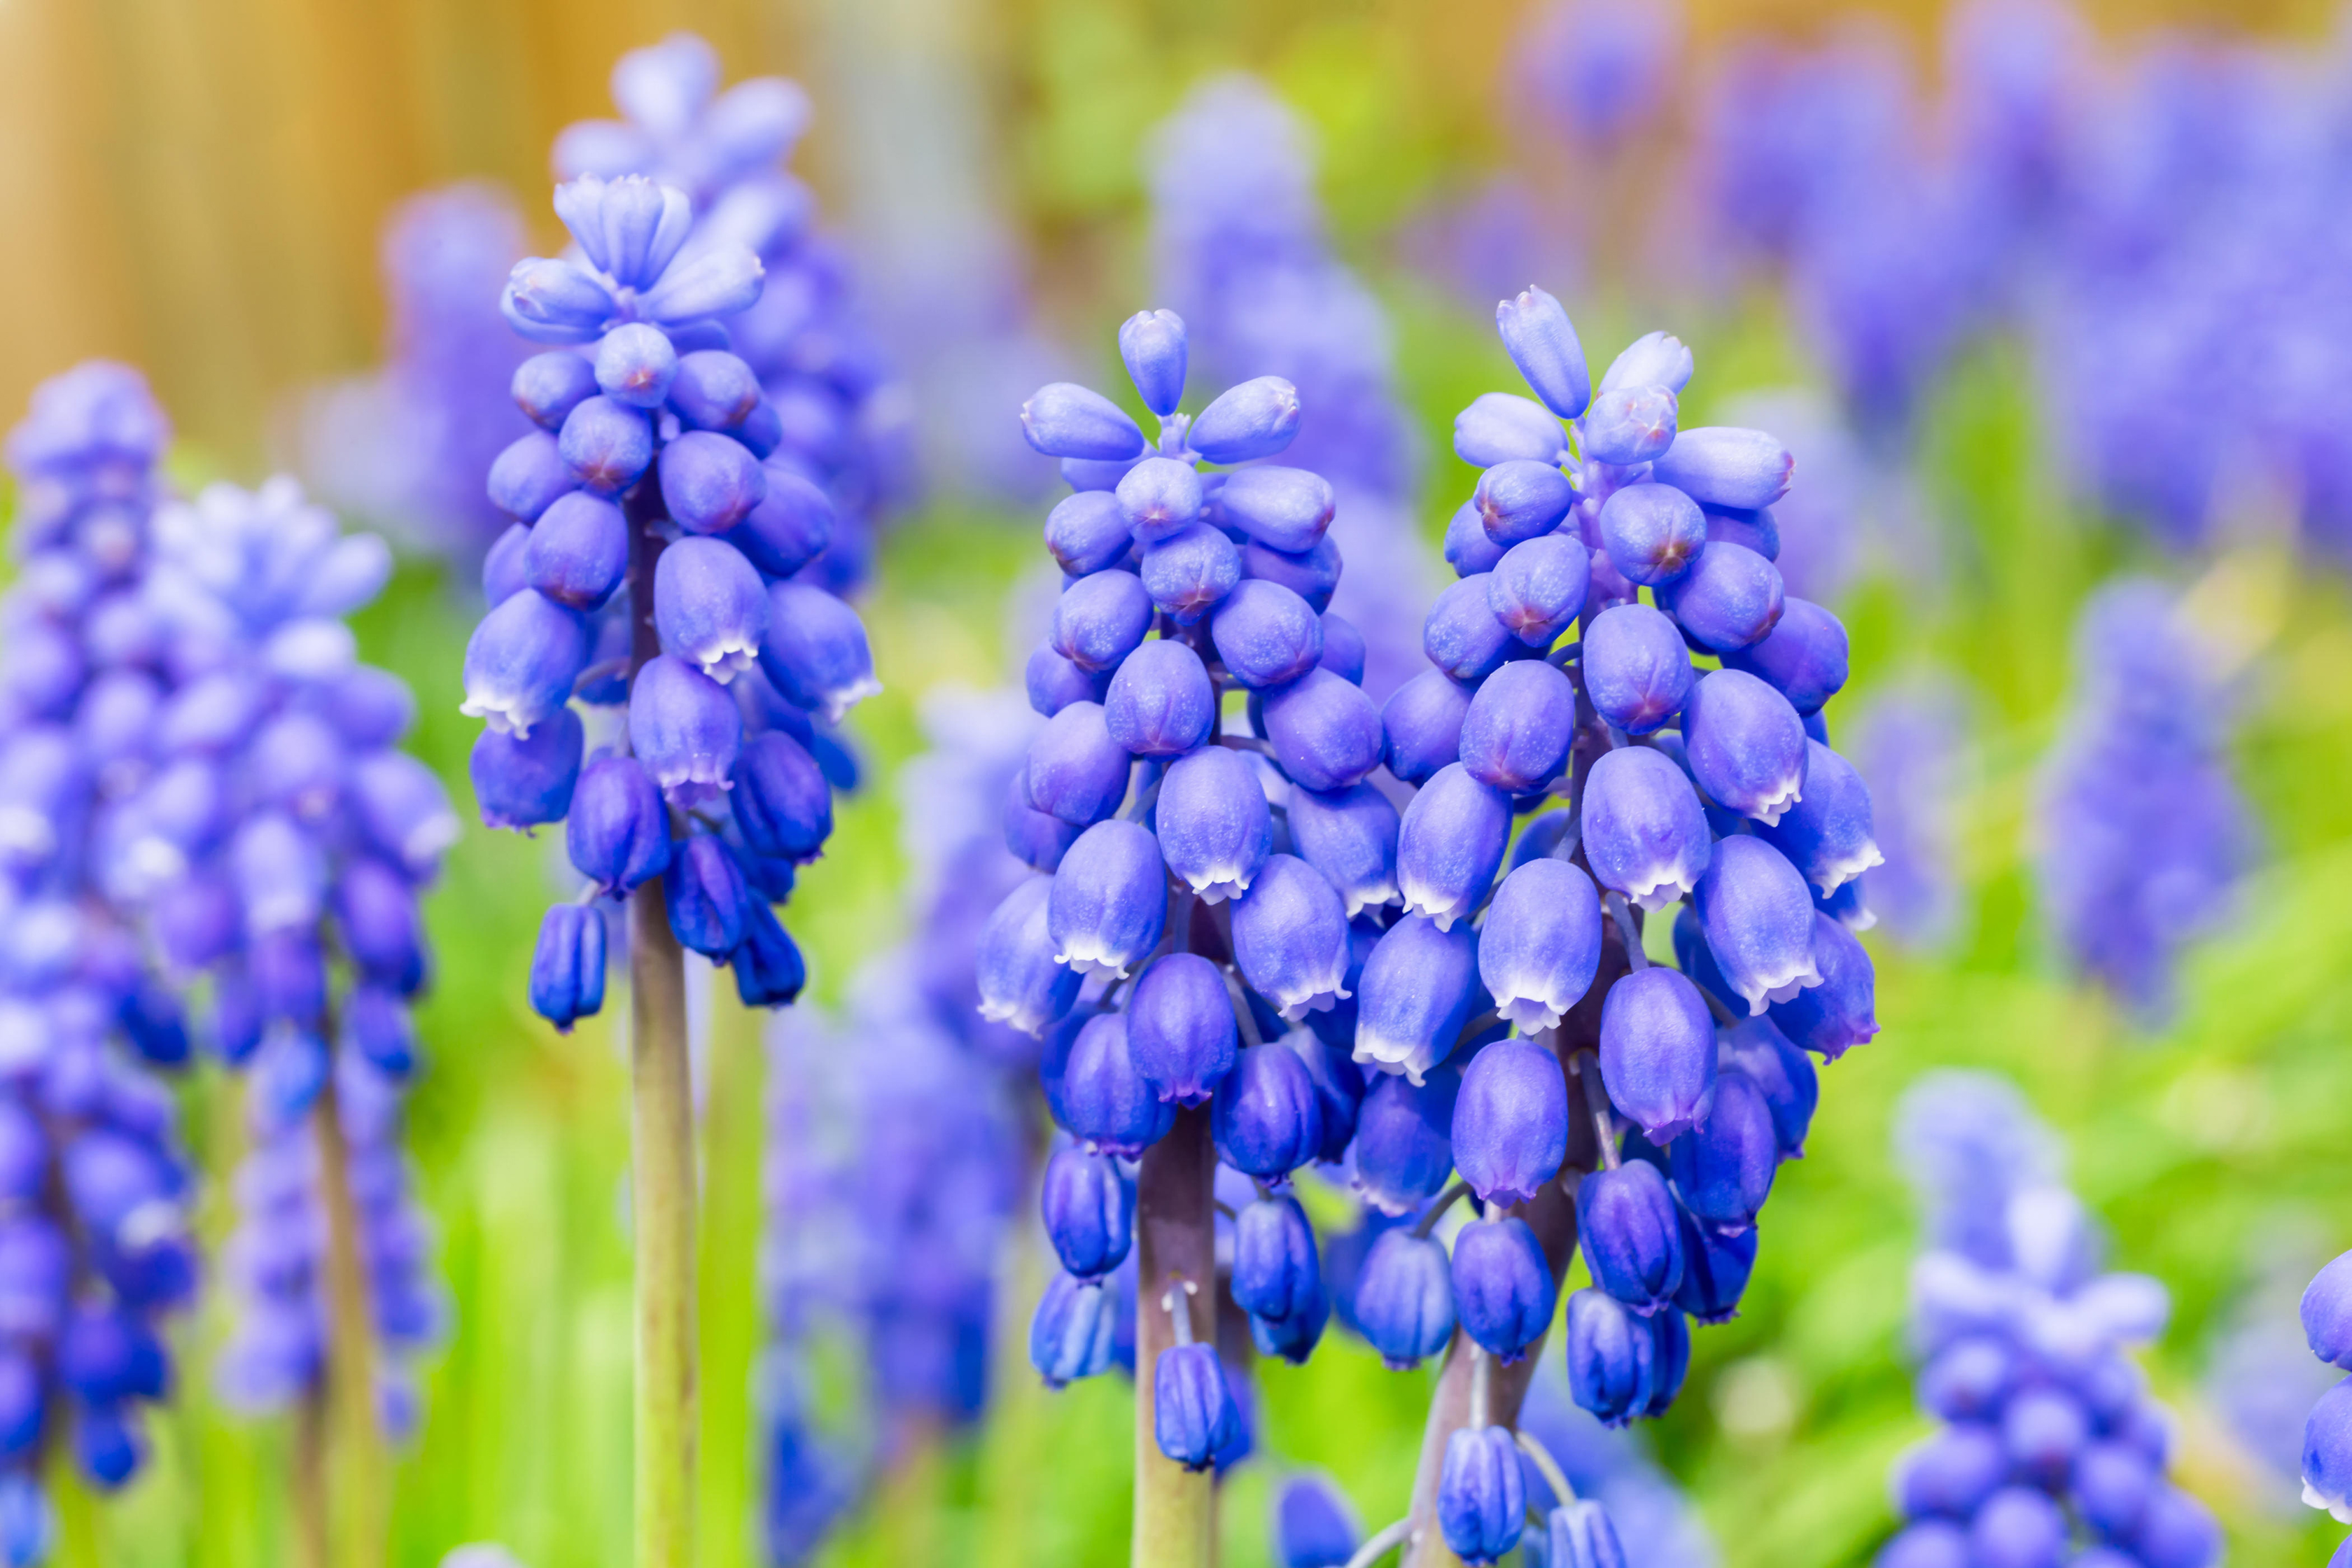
point(1355, 932)
point(659, 478)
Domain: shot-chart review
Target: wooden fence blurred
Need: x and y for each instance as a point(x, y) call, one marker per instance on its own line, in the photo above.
point(197, 184)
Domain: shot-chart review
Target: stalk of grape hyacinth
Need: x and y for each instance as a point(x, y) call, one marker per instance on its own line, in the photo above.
point(2142, 831)
point(281, 852)
point(669, 541)
point(1506, 1022)
point(95, 1250)
point(2051, 1443)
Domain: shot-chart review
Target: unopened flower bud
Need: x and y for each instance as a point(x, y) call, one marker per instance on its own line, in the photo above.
point(1482, 1501)
point(1503, 1289)
point(1255, 419)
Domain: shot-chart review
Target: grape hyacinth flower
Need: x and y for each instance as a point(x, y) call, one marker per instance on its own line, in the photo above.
point(2142, 831)
point(2048, 1433)
point(319, 840)
point(96, 1251)
point(835, 415)
point(676, 517)
point(1519, 1071)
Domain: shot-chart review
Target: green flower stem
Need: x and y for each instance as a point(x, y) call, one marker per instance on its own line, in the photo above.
point(353, 1461)
point(661, 1159)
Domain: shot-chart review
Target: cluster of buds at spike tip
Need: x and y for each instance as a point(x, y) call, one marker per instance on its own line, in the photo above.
point(2051, 1450)
point(1357, 935)
point(659, 495)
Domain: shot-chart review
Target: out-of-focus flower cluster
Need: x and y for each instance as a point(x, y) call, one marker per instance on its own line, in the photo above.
point(2052, 1451)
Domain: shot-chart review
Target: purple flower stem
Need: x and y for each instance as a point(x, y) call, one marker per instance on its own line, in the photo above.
point(1175, 1509)
point(661, 1165)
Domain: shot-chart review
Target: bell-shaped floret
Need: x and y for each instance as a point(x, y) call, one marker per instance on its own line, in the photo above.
point(1266, 635)
point(1520, 500)
point(1063, 419)
point(1151, 343)
point(1264, 1118)
point(1510, 1121)
point(1462, 636)
point(1536, 589)
point(1725, 466)
point(1653, 533)
point(1283, 508)
point(1190, 573)
point(1098, 620)
point(1542, 342)
point(524, 780)
point(1214, 827)
point(1072, 1333)
point(1421, 725)
point(1657, 1052)
point(1275, 1272)
point(685, 729)
point(567, 967)
point(1193, 1417)
point(1540, 944)
point(1610, 1355)
point(1402, 1152)
point(1088, 1207)
point(1021, 984)
point(1350, 837)
point(710, 608)
point(815, 651)
point(1758, 922)
point(1181, 1027)
point(1075, 770)
point(522, 661)
point(1290, 938)
point(1827, 834)
point(1503, 1290)
point(1746, 745)
point(1404, 1298)
point(1842, 1012)
point(1637, 671)
point(1803, 657)
point(1723, 1170)
point(1255, 419)
point(1520, 724)
point(1625, 1221)
point(1498, 427)
point(1715, 1267)
point(1104, 1101)
point(1160, 703)
point(1450, 844)
point(1729, 599)
point(1111, 903)
point(1417, 991)
point(1482, 1500)
point(1644, 832)
point(1630, 424)
point(1157, 499)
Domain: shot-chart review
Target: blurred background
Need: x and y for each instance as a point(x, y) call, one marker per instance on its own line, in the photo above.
point(2041, 300)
